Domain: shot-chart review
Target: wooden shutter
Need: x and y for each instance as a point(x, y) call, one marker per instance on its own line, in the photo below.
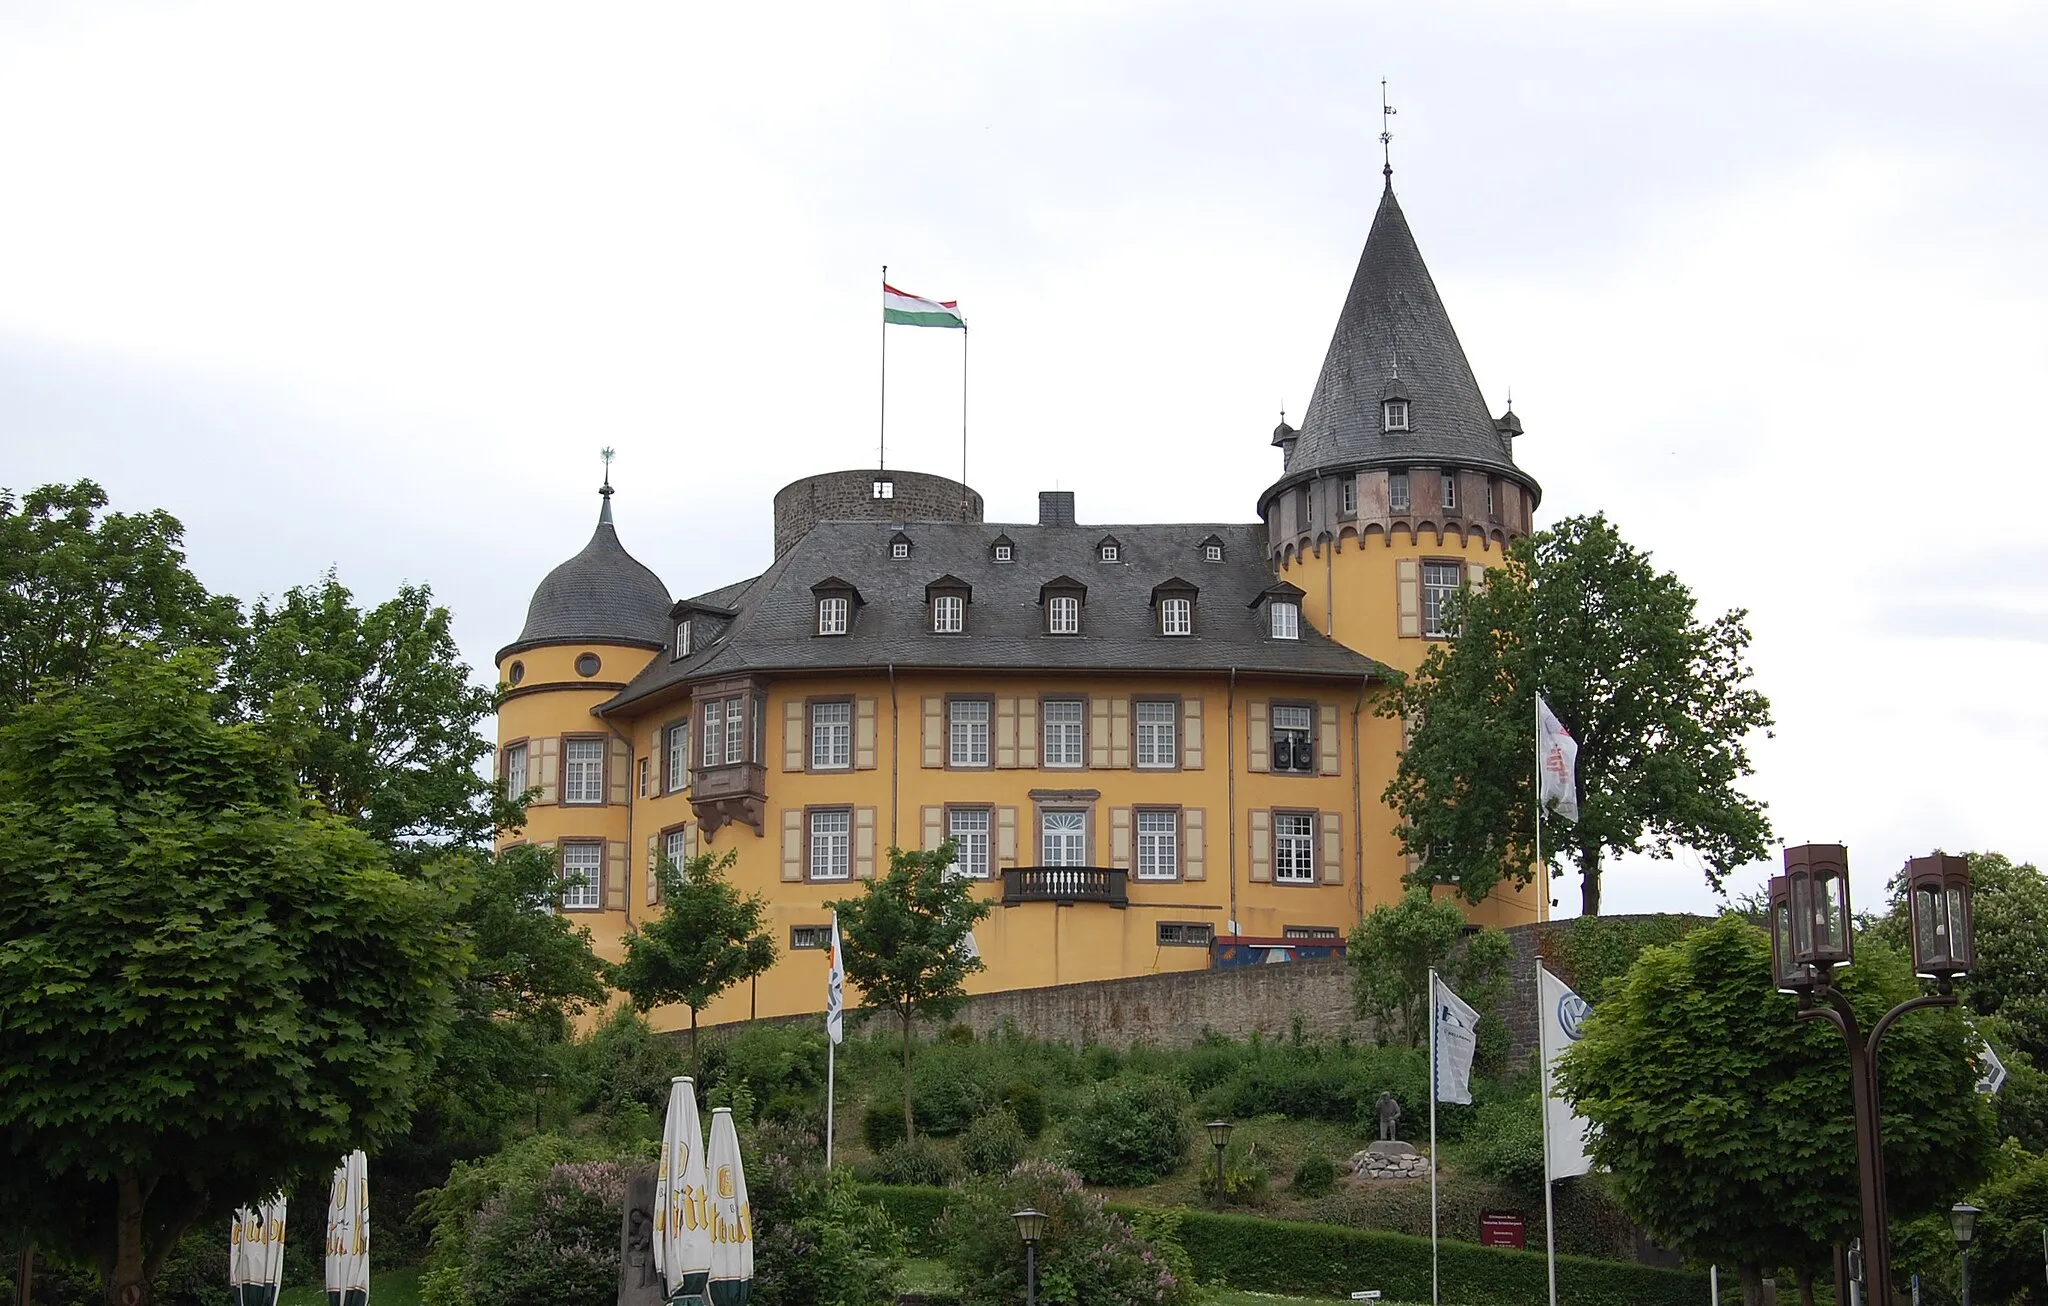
point(1475, 576)
point(616, 871)
point(1408, 598)
point(1330, 848)
point(863, 843)
point(934, 827)
point(934, 730)
point(864, 734)
point(1259, 738)
point(792, 843)
point(1191, 735)
point(545, 756)
point(1329, 753)
point(1120, 838)
point(1006, 733)
point(1027, 733)
point(793, 735)
point(1119, 733)
point(1098, 733)
point(690, 842)
point(620, 773)
point(1193, 859)
point(653, 863)
point(1006, 836)
point(1261, 828)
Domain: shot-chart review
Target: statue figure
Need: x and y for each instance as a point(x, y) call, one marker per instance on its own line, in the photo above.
point(1390, 1115)
point(639, 1285)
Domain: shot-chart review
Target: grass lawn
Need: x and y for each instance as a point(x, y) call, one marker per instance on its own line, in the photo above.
point(400, 1287)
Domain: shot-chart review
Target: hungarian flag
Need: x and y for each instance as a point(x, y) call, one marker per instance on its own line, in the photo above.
point(900, 309)
point(1557, 762)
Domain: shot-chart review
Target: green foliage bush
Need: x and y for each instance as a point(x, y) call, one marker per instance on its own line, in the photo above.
point(818, 1239)
point(1508, 1143)
point(536, 1224)
point(953, 1087)
point(1315, 1176)
point(919, 1161)
point(1026, 1102)
point(881, 1124)
point(1589, 1221)
point(1133, 1131)
point(1594, 951)
point(621, 1072)
point(993, 1144)
point(1240, 1185)
point(1086, 1256)
point(781, 1065)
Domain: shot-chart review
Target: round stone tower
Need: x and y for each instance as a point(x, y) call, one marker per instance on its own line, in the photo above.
point(869, 496)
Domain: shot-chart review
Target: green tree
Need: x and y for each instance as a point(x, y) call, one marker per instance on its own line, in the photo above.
point(1395, 947)
point(1658, 701)
point(708, 938)
point(208, 987)
point(2009, 920)
point(393, 739)
point(901, 941)
point(1726, 1122)
point(77, 583)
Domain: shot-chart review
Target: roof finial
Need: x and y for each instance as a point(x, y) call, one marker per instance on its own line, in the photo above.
point(1283, 414)
point(1387, 112)
point(1511, 399)
point(605, 490)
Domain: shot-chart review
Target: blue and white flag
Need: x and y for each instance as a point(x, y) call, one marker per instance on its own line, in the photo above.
point(1562, 1015)
point(835, 989)
point(1455, 1038)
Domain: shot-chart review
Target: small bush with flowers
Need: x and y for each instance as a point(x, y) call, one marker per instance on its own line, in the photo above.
point(1086, 1256)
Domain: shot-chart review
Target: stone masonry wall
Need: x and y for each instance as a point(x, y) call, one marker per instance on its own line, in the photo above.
point(850, 496)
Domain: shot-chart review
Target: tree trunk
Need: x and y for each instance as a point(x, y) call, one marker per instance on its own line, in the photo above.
point(24, 1274)
point(1589, 881)
point(696, 1062)
point(125, 1283)
point(1752, 1283)
point(1805, 1280)
point(909, 1123)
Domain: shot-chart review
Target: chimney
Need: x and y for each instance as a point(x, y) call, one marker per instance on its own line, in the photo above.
point(1055, 507)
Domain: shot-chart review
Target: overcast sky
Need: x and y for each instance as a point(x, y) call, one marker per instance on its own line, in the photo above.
point(367, 286)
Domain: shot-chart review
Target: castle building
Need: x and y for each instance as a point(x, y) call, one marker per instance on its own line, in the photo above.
point(1154, 745)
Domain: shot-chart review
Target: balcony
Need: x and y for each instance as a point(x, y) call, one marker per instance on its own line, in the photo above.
point(730, 795)
point(1065, 885)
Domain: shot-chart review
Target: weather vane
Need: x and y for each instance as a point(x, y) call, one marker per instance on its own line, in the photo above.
point(1387, 112)
point(606, 454)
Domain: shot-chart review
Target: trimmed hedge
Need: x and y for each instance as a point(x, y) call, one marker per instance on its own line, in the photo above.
point(1326, 1260)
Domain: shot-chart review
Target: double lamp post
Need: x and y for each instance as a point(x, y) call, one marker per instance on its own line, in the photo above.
point(1811, 937)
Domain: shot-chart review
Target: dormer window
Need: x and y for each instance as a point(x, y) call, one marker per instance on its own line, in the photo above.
point(1063, 615)
point(1396, 414)
point(832, 616)
point(1286, 619)
point(1212, 549)
point(1173, 603)
point(1003, 549)
point(1108, 550)
point(947, 598)
point(884, 487)
point(683, 638)
point(899, 545)
point(1003, 552)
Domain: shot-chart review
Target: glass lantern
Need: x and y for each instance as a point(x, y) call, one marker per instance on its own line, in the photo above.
point(1818, 894)
point(1938, 888)
point(1787, 974)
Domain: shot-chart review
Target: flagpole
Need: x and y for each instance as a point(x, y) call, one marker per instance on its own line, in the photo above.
point(882, 449)
point(1542, 867)
point(963, 413)
point(831, 1045)
point(1549, 1211)
point(1433, 1297)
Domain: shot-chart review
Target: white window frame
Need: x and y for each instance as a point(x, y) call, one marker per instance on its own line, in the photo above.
point(1492, 514)
point(1396, 413)
point(678, 744)
point(1294, 848)
point(582, 885)
point(899, 549)
point(967, 721)
point(949, 614)
point(683, 639)
point(1312, 933)
point(968, 828)
point(672, 845)
point(1450, 486)
point(1286, 619)
point(516, 756)
point(1064, 731)
point(1212, 553)
point(1440, 580)
point(583, 776)
point(884, 488)
point(1183, 934)
point(1397, 492)
point(1294, 719)
point(1157, 723)
point(829, 856)
point(1176, 616)
point(1109, 553)
point(1069, 836)
point(832, 736)
point(832, 615)
point(1157, 831)
point(1347, 495)
point(1003, 553)
point(1063, 615)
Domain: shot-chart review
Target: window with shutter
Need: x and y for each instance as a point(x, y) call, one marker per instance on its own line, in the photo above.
point(583, 771)
point(1293, 739)
point(582, 875)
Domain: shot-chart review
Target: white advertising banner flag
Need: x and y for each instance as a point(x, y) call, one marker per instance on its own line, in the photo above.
point(1562, 1013)
point(835, 989)
point(1457, 1038)
point(1557, 764)
point(348, 1233)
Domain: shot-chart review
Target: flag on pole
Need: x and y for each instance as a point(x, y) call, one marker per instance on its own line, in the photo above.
point(1563, 1015)
point(899, 309)
point(1456, 1039)
point(1557, 762)
point(835, 990)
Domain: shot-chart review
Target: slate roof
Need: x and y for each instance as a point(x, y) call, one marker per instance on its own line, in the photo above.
point(1393, 310)
point(602, 595)
point(775, 629)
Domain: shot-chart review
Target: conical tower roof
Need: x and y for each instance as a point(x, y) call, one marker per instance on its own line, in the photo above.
point(603, 595)
point(1394, 340)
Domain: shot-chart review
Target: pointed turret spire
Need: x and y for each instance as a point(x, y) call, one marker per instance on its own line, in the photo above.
point(604, 513)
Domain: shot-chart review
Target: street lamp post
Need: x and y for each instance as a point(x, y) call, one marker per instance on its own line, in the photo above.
point(1030, 1224)
point(1219, 1138)
point(541, 1084)
point(1810, 937)
point(1962, 1218)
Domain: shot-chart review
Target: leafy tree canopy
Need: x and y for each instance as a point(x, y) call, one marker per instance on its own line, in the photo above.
point(1658, 701)
point(901, 940)
point(1726, 1122)
point(77, 583)
point(1394, 948)
point(208, 988)
point(709, 937)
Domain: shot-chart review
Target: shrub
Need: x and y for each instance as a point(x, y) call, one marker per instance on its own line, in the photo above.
point(818, 1240)
point(1315, 1176)
point(993, 1144)
point(1026, 1102)
point(779, 1064)
point(952, 1087)
point(1239, 1186)
point(1085, 1254)
point(535, 1223)
point(1508, 1143)
point(918, 1161)
point(1132, 1131)
point(622, 1072)
point(881, 1125)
